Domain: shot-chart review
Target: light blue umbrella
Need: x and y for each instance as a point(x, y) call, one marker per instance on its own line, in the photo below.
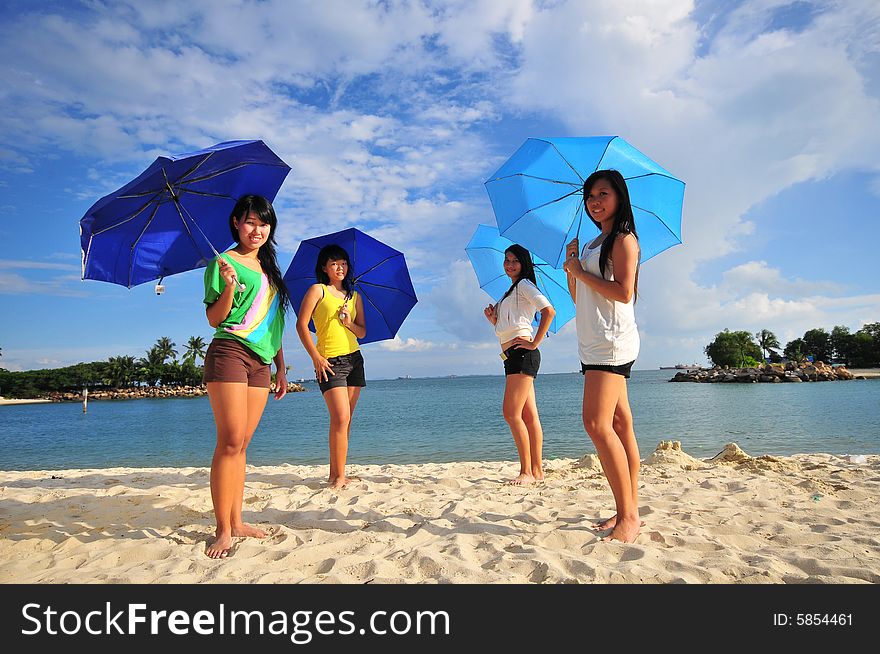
point(486, 252)
point(537, 195)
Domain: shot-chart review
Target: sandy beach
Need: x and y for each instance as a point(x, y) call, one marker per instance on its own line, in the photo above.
point(4, 401)
point(805, 518)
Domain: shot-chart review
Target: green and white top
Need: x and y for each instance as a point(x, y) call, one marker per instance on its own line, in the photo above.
point(255, 318)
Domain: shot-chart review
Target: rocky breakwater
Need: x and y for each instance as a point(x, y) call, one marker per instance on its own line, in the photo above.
point(773, 373)
point(147, 392)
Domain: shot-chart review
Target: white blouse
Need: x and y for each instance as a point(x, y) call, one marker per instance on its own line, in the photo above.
point(514, 314)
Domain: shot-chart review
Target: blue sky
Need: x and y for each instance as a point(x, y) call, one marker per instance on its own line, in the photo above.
point(392, 114)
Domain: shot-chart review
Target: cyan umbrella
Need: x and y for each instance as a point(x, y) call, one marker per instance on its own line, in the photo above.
point(380, 276)
point(486, 252)
point(537, 195)
point(174, 216)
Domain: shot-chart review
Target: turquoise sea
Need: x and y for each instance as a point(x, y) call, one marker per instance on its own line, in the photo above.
point(449, 419)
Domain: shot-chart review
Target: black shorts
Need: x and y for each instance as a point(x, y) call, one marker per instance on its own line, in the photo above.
point(348, 370)
point(623, 369)
point(521, 361)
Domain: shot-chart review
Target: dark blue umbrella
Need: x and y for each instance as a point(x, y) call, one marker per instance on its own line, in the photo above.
point(174, 216)
point(486, 252)
point(380, 276)
point(538, 200)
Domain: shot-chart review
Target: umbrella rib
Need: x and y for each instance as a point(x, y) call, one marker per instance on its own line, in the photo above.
point(138, 240)
point(668, 229)
point(385, 260)
point(181, 210)
point(669, 177)
point(568, 163)
point(378, 311)
point(541, 206)
point(125, 220)
point(548, 279)
point(217, 173)
point(389, 288)
point(540, 179)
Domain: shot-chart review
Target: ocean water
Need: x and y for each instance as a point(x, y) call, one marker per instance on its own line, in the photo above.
point(449, 419)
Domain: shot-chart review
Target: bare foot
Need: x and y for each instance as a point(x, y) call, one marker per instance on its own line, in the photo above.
point(626, 531)
point(248, 531)
point(522, 480)
point(219, 547)
point(538, 475)
point(341, 482)
point(610, 523)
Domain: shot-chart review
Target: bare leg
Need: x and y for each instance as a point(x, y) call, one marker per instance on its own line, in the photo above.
point(516, 393)
point(536, 435)
point(256, 402)
point(340, 408)
point(602, 391)
point(229, 403)
point(623, 427)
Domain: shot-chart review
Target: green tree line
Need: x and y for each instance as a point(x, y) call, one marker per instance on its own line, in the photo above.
point(740, 349)
point(159, 366)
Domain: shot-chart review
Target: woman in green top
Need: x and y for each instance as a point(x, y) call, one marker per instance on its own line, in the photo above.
point(246, 300)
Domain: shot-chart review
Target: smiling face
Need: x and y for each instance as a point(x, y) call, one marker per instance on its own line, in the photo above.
point(512, 266)
point(252, 232)
point(602, 203)
point(336, 269)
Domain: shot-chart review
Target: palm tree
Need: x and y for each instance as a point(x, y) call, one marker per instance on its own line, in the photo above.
point(121, 371)
point(165, 349)
point(767, 341)
point(195, 348)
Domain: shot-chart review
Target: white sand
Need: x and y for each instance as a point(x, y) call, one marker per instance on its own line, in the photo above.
point(806, 518)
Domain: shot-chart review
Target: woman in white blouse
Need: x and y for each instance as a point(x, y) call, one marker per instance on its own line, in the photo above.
point(512, 317)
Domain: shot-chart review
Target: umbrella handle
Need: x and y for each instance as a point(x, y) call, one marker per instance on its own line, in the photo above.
point(238, 285)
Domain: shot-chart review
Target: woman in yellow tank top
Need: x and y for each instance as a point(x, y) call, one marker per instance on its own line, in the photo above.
point(338, 314)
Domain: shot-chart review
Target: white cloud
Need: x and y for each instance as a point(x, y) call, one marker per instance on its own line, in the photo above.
point(38, 265)
point(759, 276)
point(12, 284)
point(458, 303)
point(398, 344)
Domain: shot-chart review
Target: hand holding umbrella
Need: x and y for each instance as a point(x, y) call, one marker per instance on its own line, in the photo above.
point(227, 272)
point(490, 314)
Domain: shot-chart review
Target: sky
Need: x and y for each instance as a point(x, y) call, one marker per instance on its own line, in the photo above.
point(393, 114)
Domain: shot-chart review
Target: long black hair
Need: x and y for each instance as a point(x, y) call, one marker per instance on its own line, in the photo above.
point(334, 252)
point(527, 268)
point(263, 210)
point(624, 222)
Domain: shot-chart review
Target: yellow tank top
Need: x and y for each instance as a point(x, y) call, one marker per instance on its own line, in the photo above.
point(333, 338)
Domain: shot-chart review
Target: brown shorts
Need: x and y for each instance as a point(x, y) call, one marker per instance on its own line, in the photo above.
point(229, 360)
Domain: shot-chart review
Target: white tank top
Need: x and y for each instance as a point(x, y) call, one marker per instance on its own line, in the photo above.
point(606, 329)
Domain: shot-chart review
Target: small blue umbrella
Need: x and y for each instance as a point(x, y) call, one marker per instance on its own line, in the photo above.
point(486, 252)
point(380, 276)
point(537, 195)
point(174, 216)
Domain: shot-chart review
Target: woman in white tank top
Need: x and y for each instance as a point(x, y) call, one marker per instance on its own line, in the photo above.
point(512, 317)
point(603, 283)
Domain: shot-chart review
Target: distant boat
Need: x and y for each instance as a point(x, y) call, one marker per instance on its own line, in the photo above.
point(683, 366)
point(405, 377)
